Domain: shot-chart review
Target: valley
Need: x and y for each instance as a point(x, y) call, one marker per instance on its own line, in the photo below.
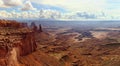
point(44, 45)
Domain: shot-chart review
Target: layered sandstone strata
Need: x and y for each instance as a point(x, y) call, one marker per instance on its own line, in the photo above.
point(16, 40)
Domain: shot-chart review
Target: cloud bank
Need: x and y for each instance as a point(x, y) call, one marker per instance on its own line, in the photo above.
point(75, 9)
point(53, 14)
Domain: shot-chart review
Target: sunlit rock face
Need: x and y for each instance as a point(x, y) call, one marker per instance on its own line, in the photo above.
point(16, 40)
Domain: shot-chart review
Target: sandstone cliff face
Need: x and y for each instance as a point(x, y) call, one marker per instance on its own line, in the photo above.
point(28, 44)
point(15, 40)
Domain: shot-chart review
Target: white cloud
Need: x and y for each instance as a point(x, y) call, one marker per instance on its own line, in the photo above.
point(76, 5)
point(15, 14)
point(28, 6)
point(46, 14)
point(99, 9)
point(52, 14)
point(10, 3)
point(1, 3)
point(5, 14)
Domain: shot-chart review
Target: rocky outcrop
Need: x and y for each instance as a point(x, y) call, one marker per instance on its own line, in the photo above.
point(36, 28)
point(16, 40)
point(40, 28)
point(33, 26)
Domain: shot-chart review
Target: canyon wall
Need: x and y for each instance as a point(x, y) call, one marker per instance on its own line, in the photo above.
point(16, 40)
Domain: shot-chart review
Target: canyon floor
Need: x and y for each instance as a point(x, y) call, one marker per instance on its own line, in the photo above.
point(76, 47)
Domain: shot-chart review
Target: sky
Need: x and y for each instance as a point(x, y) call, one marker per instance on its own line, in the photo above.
point(60, 9)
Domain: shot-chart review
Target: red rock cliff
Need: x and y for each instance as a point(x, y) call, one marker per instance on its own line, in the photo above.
point(15, 41)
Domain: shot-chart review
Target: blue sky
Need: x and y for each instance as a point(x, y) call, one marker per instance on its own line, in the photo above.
point(61, 9)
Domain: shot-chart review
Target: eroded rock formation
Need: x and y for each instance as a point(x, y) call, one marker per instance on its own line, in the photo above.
point(40, 28)
point(16, 40)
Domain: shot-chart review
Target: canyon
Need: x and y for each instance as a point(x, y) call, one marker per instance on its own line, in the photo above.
point(33, 44)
